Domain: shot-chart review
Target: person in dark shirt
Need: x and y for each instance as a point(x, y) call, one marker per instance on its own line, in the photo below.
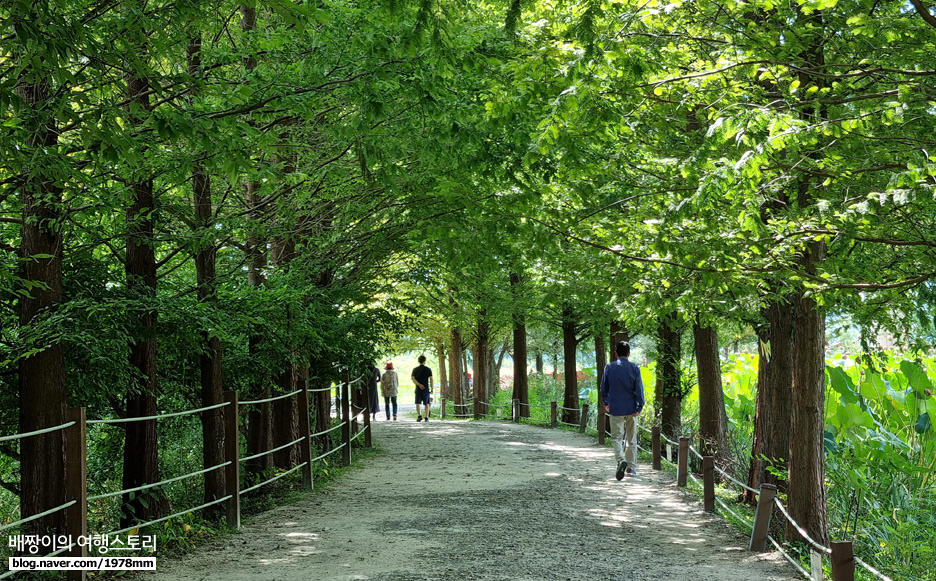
point(372, 380)
point(422, 378)
point(623, 393)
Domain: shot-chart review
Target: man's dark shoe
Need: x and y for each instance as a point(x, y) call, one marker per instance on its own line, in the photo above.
point(418, 418)
point(621, 469)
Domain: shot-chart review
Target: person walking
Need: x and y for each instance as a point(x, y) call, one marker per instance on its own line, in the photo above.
point(422, 378)
point(389, 384)
point(373, 403)
point(623, 393)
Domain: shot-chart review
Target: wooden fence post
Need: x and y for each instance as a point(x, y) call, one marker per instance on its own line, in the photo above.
point(682, 467)
point(346, 419)
point(655, 447)
point(762, 517)
point(708, 483)
point(601, 421)
point(583, 421)
point(76, 485)
point(232, 455)
point(305, 429)
point(368, 440)
point(553, 414)
point(843, 561)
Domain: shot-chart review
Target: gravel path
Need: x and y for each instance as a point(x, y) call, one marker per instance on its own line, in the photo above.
point(484, 501)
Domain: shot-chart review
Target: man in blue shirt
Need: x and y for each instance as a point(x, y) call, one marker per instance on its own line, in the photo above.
point(623, 393)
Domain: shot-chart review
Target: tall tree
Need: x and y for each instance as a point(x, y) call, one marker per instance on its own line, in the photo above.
point(140, 446)
point(41, 372)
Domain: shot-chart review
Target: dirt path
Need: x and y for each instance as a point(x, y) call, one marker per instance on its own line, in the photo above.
point(483, 500)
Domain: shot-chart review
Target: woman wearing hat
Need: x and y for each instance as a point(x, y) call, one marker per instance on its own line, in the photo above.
point(389, 384)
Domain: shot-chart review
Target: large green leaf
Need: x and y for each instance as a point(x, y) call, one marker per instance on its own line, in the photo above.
point(923, 423)
point(873, 387)
point(843, 384)
point(916, 376)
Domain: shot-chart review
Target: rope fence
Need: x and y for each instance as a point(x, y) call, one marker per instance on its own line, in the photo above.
point(156, 417)
point(76, 444)
point(843, 561)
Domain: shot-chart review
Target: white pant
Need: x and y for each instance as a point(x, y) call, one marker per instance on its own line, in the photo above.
point(624, 429)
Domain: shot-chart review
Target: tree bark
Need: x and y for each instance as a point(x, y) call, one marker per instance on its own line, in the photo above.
point(443, 373)
point(774, 402)
point(457, 387)
point(41, 376)
point(669, 348)
point(521, 382)
point(569, 367)
point(807, 503)
point(807, 452)
point(618, 333)
point(286, 410)
point(539, 363)
point(140, 446)
point(259, 416)
point(481, 352)
point(712, 429)
point(210, 362)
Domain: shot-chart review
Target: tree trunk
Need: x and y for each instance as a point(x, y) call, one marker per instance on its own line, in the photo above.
point(212, 389)
point(618, 333)
point(521, 382)
point(457, 387)
point(321, 402)
point(481, 365)
point(774, 403)
point(286, 419)
point(712, 430)
point(443, 373)
point(807, 444)
point(807, 452)
point(259, 416)
point(539, 363)
point(498, 363)
point(140, 447)
point(569, 368)
point(41, 376)
point(669, 349)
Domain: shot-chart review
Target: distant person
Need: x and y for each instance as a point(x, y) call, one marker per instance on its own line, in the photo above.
point(623, 393)
point(422, 378)
point(372, 397)
point(389, 384)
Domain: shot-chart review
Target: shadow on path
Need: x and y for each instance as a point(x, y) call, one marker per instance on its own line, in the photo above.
point(484, 500)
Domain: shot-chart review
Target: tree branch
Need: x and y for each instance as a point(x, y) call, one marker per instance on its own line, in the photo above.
point(924, 12)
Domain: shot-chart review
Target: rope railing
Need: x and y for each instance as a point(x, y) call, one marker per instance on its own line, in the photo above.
point(156, 417)
point(276, 449)
point(841, 555)
point(273, 479)
point(171, 516)
point(326, 454)
point(37, 516)
point(155, 484)
point(816, 546)
point(230, 492)
point(790, 559)
point(872, 570)
point(36, 432)
point(329, 430)
point(269, 399)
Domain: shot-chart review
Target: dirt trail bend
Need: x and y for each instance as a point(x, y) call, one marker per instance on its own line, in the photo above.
point(483, 501)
